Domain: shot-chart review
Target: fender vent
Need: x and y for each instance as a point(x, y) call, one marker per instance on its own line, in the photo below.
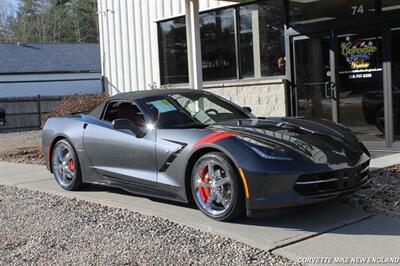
point(172, 157)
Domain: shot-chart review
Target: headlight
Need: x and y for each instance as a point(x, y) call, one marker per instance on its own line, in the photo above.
point(265, 150)
point(270, 154)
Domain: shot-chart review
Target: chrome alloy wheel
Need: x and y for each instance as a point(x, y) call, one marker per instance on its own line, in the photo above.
point(213, 187)
point(64, 165)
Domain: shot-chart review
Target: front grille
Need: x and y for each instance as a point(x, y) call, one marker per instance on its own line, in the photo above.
point(311, 184)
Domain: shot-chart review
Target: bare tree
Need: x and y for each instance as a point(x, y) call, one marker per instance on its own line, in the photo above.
point(7, 10)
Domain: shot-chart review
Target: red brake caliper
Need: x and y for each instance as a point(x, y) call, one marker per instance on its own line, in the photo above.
point(204, 192)
point(71, 165)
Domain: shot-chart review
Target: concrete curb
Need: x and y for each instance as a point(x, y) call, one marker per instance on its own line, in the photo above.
point(384, 162)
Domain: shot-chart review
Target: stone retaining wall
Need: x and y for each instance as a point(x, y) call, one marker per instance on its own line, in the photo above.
point(264, 97)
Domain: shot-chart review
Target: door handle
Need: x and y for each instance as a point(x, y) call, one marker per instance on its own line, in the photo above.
point(85, 125)
point(329, 89)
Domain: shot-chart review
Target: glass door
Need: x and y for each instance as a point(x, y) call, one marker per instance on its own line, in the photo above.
point(360, 86)
point(340, 77)
point(314, 80)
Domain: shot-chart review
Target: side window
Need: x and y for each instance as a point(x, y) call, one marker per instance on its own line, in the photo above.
point(123, 110)
point(111, 111)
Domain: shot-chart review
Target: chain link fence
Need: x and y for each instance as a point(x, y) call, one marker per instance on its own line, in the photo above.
point(22, 106)
point(20, 122)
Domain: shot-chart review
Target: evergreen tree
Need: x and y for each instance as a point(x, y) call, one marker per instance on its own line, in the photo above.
point(51, 21)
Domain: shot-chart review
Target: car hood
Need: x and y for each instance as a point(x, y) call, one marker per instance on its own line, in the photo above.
point(319, 141)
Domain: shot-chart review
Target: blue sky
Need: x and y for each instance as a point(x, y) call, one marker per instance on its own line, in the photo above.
point(13, 3)
point(10, 4)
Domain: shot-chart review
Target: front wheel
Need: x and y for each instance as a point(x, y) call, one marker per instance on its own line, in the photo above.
point(65, 165)
point(216, 188)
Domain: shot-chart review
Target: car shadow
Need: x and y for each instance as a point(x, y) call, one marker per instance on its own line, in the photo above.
point(98, 188)
point(315, 218)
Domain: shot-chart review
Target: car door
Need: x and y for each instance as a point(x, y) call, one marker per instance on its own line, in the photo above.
point(120, 155)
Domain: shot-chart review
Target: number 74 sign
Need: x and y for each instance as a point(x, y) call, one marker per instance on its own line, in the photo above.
point(357, 10)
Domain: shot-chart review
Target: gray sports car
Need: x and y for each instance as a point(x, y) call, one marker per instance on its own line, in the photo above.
point(187, 145)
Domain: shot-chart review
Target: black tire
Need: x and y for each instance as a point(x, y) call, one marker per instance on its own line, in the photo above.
point(234, 188)
point(74, 181)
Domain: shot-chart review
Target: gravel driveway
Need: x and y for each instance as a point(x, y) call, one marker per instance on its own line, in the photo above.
point(38, 228)
point(382, 196)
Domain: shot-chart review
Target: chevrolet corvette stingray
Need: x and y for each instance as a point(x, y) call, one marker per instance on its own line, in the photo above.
point(187, 145)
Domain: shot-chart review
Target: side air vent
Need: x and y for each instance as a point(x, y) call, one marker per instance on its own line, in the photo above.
point(171, 158)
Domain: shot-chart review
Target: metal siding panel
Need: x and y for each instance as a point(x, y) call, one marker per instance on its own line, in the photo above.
point(166, 8)
point(181, 8)
point(107, 49)
point(139, 44)
point(101, 35)
point(125, 45)
point(113, 50)
point(148, 77)
point(161, 12)
point(203, 4)
point(130, 41)
point(176, 7)
point(132, 46)
point(119, 46)
point(154, 43)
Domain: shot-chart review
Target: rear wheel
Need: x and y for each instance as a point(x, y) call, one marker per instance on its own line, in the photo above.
point(65, 165)
point(216, 188)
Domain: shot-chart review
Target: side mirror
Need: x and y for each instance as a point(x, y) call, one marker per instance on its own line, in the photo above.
point(247, 109)
point(128, 124)
point(2, 117)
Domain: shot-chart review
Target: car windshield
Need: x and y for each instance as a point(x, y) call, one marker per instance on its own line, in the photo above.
point(192, 110)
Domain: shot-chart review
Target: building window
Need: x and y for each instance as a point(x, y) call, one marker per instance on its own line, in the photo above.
point(253, 49)
point(217, 30)
point(262, 46)
point(173, 51)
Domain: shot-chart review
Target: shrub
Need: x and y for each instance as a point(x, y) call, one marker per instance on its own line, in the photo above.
point(74, 104)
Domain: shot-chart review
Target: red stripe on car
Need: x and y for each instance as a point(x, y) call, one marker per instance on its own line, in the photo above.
point(206, 138)
point(220, 137)
point(213, 137)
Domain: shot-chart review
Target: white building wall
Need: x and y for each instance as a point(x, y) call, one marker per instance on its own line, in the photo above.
point(129, 49)
point(128, 40)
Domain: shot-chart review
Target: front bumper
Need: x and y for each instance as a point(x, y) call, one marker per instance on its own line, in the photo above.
point(309, 188)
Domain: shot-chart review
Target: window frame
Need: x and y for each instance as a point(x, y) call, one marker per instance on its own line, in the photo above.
point(215, 13)
point(160, 50)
